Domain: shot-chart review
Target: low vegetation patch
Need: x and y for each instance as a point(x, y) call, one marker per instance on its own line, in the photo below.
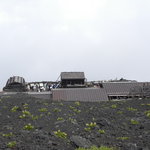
point(60, 119)
point(36, 117)
point(101, 131)
point(134, 122)
point(77, 103)
point(90, 126)
point(122, 138)
point(14, 109)
point(43, 110)
point(56, 110)
point(120, 112)
point(147, 113)
point(61, 104)
point(114, 106)
point(74, 109)
point(7, 135)
point(46, 104)
point(48, 113)
point(72, 120)
point(60, 134)
point(28, 127)
point(25, 114)
point(12, 144)
point(131, 109)
point(25, 106)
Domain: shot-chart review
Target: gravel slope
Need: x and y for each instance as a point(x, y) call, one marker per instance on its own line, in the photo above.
point(124, 125)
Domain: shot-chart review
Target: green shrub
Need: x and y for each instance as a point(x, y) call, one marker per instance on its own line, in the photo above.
point(25, 114)
point(60, 119)
point(48, 113)
point(134, 122)
point(60, 134)
point(87, 129)
point(147, 113)
point(77, 103)
point(12, 144)
point(34, 117)
point(46, 104)
point(122, 138)
point(14, 109)
point(120, 112)
point(25, 106)
point(145, 104)
point(22, 116)
point(71, 107)
point(131, 109)
point(57, 110)
point(76, 110)
point(101, 131)
point(91, 125)
point(28, 127)
point(113, 106)
point(61, 104)
point(8, 134)
point(43, 110)
point(72, 120)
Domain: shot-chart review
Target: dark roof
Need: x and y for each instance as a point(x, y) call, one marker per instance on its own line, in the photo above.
point(72, 75)
point(78, 94)
point(15, 84)
point(15, 79)
point(120, 88)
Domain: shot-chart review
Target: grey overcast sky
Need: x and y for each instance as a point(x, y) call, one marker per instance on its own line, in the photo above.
point(104, 38)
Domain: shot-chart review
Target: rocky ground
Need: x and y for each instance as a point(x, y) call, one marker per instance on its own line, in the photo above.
point(28, 123)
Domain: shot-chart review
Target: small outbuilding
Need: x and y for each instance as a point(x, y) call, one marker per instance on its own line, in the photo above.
point(72, 79)
point(15, 84)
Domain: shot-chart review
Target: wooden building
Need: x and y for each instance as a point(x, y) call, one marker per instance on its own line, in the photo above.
point(72, 79)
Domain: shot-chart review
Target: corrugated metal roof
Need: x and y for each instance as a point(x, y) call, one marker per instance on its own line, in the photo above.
point(15, 79)
point(120, 88)
point(72, 75)
point(78, 94)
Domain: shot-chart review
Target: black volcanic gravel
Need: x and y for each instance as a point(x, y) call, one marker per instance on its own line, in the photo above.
point(113, 117)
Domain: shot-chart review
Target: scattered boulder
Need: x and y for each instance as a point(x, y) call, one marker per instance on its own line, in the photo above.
point(145, 148)
point(59, 122)
point(103, 122)
point(132, 146)
point(79, 141)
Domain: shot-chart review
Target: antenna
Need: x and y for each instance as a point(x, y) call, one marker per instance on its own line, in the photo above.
point(58, 78)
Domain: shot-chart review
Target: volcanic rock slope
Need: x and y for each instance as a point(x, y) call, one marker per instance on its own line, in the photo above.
point(28, 123)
